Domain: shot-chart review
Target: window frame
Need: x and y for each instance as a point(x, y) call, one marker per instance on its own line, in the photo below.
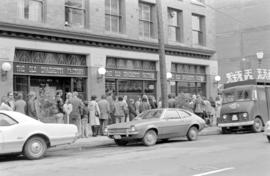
point(26, 5)
point(200, 32)
point(150, 22)
point(119, 16)
point(178, 28)
point(83, 9)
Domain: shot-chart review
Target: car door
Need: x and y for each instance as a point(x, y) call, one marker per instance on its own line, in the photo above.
point(172, 123)
point(185, 122)
point(8, 136)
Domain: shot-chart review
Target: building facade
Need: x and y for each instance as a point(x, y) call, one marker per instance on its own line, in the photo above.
point(243, 30)
point(63, 44)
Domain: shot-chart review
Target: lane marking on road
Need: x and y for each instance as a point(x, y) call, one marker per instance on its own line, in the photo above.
point(214, 171)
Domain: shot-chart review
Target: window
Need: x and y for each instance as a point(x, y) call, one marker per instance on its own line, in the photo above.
point(6, 121)
point(31, 10)
point(174, 25)
point(197, 30)
point(113, 16)
point(183, 114)
point(172, 115)
point(75, 13)
point(146, 20)
point(150, 114)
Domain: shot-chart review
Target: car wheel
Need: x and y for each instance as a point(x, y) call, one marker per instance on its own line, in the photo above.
point(35, 148)
point(150, 138)
point(225, 131)
point(192, 133)
point(120, 142)
point(258, 125)
point(268, 137)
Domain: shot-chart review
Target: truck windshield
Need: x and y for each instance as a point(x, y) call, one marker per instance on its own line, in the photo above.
point(237, 95)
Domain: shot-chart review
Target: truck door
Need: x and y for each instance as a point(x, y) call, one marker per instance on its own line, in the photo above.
point(267, 91)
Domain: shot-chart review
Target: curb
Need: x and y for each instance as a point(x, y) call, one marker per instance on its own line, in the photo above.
point(210, 131)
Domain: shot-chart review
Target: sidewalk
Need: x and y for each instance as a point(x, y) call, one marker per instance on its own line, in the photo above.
point(93, 142)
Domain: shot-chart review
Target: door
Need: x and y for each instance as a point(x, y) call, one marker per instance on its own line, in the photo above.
point(186, 121)
point(173, 123)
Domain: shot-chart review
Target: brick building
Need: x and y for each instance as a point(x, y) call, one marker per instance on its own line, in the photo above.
point(64, 44)
point(243, 29)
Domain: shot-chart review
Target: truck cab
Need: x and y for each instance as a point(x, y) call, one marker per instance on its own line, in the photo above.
point(245, 105)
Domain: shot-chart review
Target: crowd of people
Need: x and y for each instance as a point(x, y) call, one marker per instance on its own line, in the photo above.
point(91, 117)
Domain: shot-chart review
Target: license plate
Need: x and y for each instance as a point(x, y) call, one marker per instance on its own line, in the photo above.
point(117, 137)
point(234, 117)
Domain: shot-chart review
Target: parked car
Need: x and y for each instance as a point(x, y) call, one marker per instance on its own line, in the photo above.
point(267, 130)
point(157, 124)
point(21, 134)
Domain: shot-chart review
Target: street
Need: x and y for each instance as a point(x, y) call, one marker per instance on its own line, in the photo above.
point(220, 155)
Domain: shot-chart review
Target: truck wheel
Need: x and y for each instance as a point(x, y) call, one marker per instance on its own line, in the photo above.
point(120, 142)
point(258, 125)
point(35, 148)
point(268, 137)
point(192, 134)
point(150, 138)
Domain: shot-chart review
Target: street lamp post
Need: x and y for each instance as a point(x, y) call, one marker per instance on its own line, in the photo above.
point(260, 57)
point(217, 79)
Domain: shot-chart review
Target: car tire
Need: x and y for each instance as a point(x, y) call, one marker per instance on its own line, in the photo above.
point(150, 138)
point(268, 137)
point(165, 140)
point(35, 148)
point(120, 142)
point(257, 127)
point(225, 131)
point(192, 134)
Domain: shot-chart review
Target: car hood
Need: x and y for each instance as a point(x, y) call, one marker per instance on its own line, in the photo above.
point(132, 123)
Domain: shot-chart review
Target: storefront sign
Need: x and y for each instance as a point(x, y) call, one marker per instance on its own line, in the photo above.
point(259, 74)
point(125, 74)
point(39, 69)
point(188, 78)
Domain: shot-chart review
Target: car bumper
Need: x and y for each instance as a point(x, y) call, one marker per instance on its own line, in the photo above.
point(124, 136)
point(236, 124)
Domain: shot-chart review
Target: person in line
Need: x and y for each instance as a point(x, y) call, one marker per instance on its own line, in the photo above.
point(144, 105)
point(137, 104)
point(33, 106)
point(119, 110)
point(152, 102)
point(4, 104)
point(132, 109)
point(67, 107)
point(11, 100)
point(94, 114)
point(171, 101)
point(104, 107)
point(20, 104)
point(111, 103)
point(59, 106)
point(85, 120)
point(75, 115)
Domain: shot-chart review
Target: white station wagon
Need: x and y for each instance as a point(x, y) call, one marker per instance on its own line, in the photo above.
point(21, 134)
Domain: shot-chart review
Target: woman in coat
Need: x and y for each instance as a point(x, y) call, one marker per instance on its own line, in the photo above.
point(94, 114)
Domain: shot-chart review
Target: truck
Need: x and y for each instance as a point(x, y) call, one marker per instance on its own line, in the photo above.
point(245, 105)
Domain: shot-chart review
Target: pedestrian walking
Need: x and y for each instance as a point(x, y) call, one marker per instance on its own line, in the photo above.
point(94, 114)
point(104, 108)
point(20, 104)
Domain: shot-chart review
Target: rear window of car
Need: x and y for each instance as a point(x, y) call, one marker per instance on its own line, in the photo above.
point(151, 114)
point(6, 120)
point(183, 114)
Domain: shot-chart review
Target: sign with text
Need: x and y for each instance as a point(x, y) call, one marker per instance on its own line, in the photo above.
point(188, 77)
point(249, 74)
point(57, 70)
point(130, 74)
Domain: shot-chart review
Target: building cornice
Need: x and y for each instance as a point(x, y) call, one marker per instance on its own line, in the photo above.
point(83, 38)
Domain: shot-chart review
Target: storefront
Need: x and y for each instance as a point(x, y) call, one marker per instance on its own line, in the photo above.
point(46, 72)
point(189, 79)
point(131, 77)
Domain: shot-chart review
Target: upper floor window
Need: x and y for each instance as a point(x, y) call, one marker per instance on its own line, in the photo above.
point(113, 16)
point(31, 10)
point(174, 25)
point(197, 29)
point(146, 20)
point(75, 13)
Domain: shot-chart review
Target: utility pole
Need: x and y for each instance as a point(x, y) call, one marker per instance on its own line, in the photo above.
point(162, 63)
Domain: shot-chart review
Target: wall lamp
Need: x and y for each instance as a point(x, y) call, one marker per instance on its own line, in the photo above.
point(101, 73)
point(5, 68)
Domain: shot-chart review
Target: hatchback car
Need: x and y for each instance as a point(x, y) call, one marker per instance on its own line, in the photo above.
point(157, 124)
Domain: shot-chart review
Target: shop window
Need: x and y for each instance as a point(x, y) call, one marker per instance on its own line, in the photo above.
point(31, 10)
point(149, 87)
point(113, 16)
point(110, 86)
point(75, 13)
point(130, 86)
point(137, 64)
point(146, 20)
point(111, 62)
point(20, 84)
point(174, 25)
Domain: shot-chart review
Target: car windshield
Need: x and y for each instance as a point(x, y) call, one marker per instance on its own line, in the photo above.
point(151, 114)
point(236, 95)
